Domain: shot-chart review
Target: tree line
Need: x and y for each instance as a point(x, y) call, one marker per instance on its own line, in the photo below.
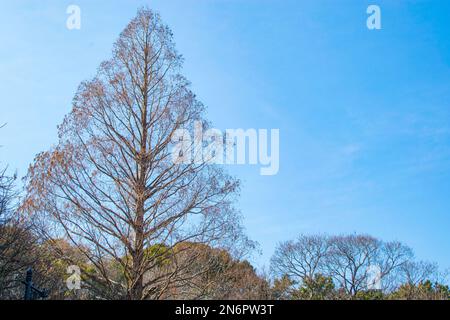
point(110, 200)
point(353, 267)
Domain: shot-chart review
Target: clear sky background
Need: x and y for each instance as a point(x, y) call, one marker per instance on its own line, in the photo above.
point(364, 116)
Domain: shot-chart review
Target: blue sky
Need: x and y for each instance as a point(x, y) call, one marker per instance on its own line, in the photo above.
point(364, 116)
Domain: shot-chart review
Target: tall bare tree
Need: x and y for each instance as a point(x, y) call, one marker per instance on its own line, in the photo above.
point(111, 187)
point(356, 261)
point(302, 258)
point(349, 260)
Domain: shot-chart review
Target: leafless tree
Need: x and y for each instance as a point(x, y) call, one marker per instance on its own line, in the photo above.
point(392, 257)
point(356, 260)
point(18, 243)
point(349, 259)
point(7, 195)
point(111, 187)
point(302, 258)
point(16, 240)
point(415, 272)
